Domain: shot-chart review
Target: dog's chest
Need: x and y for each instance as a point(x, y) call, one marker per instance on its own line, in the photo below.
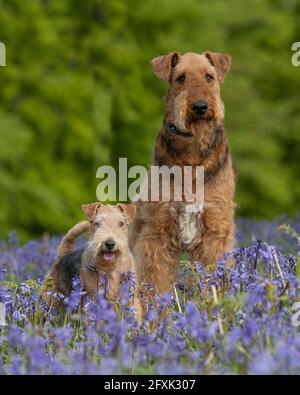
point(189, 223)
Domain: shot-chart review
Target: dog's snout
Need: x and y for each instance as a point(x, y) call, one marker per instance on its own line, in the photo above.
point(200, 107)
point(110, 244)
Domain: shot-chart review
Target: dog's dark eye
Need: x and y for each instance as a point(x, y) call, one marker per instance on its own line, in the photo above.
point(181, 78)
point(121, 223)
point(97, 224)
point(209, 77)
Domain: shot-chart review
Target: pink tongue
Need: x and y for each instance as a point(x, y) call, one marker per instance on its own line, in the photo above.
point(108, 256)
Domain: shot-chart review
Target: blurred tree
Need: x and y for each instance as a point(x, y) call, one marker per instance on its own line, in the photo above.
point(78, 92)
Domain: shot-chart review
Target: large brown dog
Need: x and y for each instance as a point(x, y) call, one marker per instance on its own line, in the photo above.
point(192, 135)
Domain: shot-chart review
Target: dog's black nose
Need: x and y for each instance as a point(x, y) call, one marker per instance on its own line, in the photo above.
point(200, 107)
point(109, 244)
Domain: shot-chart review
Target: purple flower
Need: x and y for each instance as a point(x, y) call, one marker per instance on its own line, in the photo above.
point(179, 335)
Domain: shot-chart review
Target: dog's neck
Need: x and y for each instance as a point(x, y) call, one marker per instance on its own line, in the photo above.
point(172, 128)
point(205, 144)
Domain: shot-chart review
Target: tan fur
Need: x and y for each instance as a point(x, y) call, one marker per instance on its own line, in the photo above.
point(105, 222)
point(180, 109)
point(160, 230)
point(108, 222)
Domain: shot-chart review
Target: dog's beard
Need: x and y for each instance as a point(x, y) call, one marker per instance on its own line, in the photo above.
point(180, 111)
point(198, 119)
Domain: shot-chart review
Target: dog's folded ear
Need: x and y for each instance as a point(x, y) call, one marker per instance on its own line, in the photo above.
point(162, 65)
point(221, 62)
point(90, 210)
point(128, 210)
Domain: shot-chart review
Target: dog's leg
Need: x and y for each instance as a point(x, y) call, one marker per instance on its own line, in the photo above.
point(212, 250)
point(89, 277)
point(155, 261)
point(49, 287)
point(137, 304)
point(218, 237)
point(114, 280)
point(136, 299)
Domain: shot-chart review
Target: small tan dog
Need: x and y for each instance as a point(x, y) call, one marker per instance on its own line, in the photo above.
point(106, 251)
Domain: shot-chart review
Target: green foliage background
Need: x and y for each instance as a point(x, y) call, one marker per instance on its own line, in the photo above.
point(78, 92)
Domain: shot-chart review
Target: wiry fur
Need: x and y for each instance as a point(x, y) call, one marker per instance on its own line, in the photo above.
point(161, 230)
point(105, 222)
point(67, 244)
point(189, 224)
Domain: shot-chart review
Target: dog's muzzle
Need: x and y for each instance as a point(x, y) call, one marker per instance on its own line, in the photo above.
point(108, 251)
point(200, 107)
